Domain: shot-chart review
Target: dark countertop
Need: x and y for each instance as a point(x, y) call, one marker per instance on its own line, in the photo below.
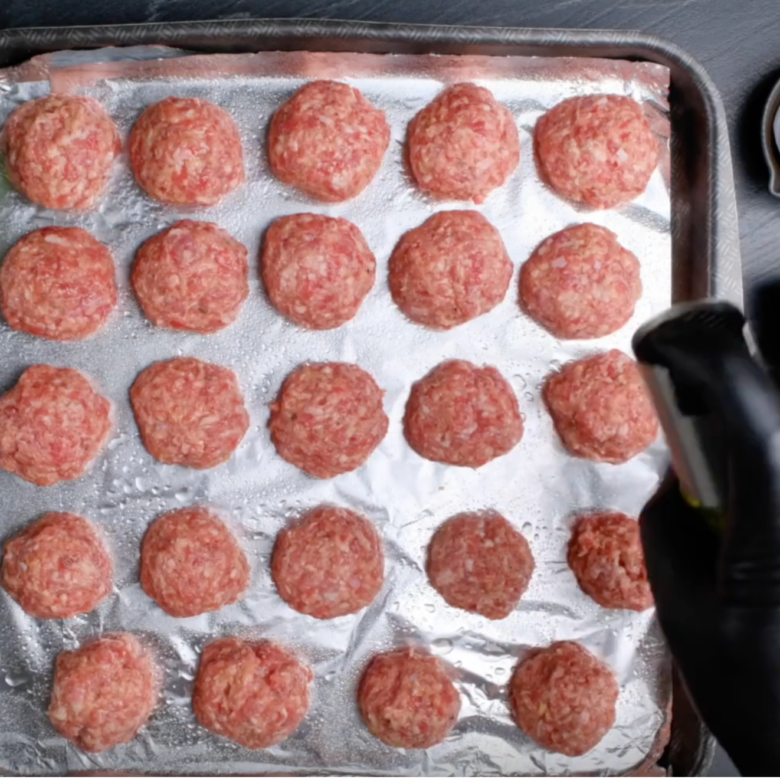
point(737, 41)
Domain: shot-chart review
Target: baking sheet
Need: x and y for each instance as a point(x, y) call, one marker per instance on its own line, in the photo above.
point(537, 486)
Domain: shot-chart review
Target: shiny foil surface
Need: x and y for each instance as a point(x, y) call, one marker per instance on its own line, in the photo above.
point(537, 486)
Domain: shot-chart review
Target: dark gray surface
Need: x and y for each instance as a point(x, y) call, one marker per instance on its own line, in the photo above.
point(738, 41)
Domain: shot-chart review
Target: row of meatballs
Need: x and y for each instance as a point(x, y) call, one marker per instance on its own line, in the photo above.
point(329, 141)
point(257, 693)
point(59, 283)
point(327, 420)
point(327, 564)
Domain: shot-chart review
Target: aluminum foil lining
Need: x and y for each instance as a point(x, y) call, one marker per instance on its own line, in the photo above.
point(537, 486)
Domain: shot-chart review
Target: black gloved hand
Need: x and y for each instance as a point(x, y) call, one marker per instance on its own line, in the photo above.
point(718, 593)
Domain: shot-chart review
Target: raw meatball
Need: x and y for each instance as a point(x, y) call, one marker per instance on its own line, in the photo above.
point(449, 270)
point(462, 415)
point(328, 418)
point(598, 150)
point(328, 564)
point(187, 152)
point(605, 554)
point(191, 563)
point(463, 145)
point(52, 425)
point(478, 562)
point(328, 141)
point(580, 283)
point(564, 698)
point(601, 408)
point(407, 699)
point(59, 150)
point(190, 413)
point(57, 567)
point(104, 692)
point(317, 270)
point(192, 276)
point(255, 693)
point(58, 283)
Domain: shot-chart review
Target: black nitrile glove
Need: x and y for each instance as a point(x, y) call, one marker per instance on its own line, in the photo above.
point(717, 592)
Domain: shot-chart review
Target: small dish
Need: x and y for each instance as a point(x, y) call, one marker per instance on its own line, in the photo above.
point(770, 139)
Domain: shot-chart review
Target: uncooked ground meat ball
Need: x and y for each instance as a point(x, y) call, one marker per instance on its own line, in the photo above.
point(57, 567)
point(190, 413)
point(580, 283)
point(328, 141)
point(187, 152)
point(606, 556)
point(463, 145)
point(254, 693)
point(598, 150)
point(52, 425)
point(328, 418)
point(329, 563)
point(601, 408)
point(564, 698)
point(451, 269)
point(192, 276)
point(462, 415)
point(317, 270)
point(104, 692)
point(478, 562)
point(58, 283)
point(192, 564)
point(407, 699)
point(59, 150)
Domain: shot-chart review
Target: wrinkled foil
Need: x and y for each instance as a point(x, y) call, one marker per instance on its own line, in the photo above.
point(537, 486)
